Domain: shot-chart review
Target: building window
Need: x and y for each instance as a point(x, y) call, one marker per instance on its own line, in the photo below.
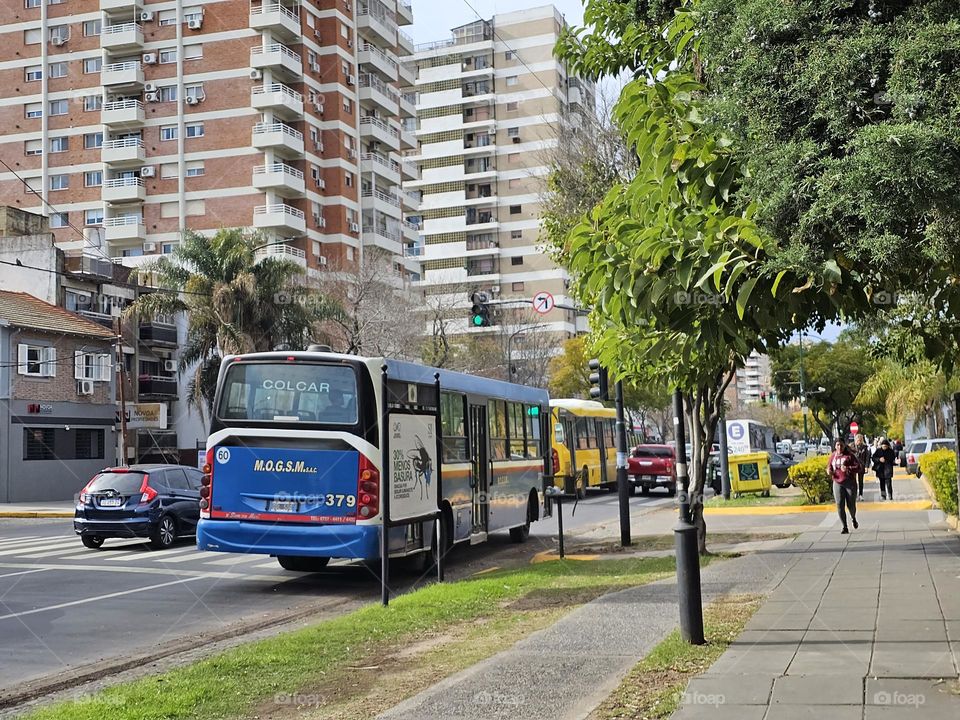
point(168, 93)
point(193, 52)
point(93, 178)
point(89, 444)
point(195, 168)
point(516, 261)
point(517, 287)
point(168, 55)
point(167, 17)
point(92, 366)
point(59, 144)
point(166, 248)
point(348, 179)
point(92, 65)
point(33, 147)
point(36, 360)
point(347, 105)
point(91, 28)
point(92, 103)
point(514, 209)
point(93, 216)
point(59, 182)
point(34, 73)
point(508, 55)
point(58, 70)
point(194, 130)
point(32, 3)
point(38, 444)
point(60, 220)
point(512, 80)
point(516, 234)
point(513, 106)
point(60, 32)
point(168, 132)
point(513, 157)
point(58, 107)
point(195, 91)
point(34, 36)
point(34, 110)
point(92, 141)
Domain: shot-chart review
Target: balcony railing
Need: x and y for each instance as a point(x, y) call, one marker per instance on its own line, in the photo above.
point(377, 10)
point(278, 127)
point(278, 168)
point(280, 250)
point(120, 67)
point(154, 331)
point(122, 143)
point(377, 122)
point(278, 88)
point(157, 385)
point(413, 251)
point(122, 28)
point(378, 51)
point(122, 105)
point(123, 221)
point(275, 48)
point(275, 7)
point(465, 39)
point(380, 160)
point(372, 81)
point(123, 182)
point(380, 195)
point(278, 208)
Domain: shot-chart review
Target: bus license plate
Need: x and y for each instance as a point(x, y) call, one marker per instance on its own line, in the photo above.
point(111, 502)
point(285, 506)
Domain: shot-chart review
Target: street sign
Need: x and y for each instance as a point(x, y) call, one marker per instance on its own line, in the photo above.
point(543, 302)
point(854, 428)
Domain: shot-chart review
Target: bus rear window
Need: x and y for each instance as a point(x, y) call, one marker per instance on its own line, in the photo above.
point(285, 392)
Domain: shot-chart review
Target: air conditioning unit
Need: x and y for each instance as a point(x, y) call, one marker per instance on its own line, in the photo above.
point(354, 227)
point(149, 247)
point(349, 6)
point(146, 16)
point(147, 171)
point(58, 41)
point(149, 87)
point(315, 67)
point(149, 58)
point(316, 34)
point(321, 222)
point(195, 24)
point(152, 97)
point(349, 42)
point(85, 387)
point(321, 183)
point(495, 290)
point(316, 219)
point(319, 107)
point(170, 365)
point(192, 100)
point(321, 260)
point(255, 74)
point(516, 139)
point(351, 80)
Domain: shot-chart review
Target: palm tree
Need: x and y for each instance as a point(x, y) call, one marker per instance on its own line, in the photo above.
point(235, 302)
point(917, 389)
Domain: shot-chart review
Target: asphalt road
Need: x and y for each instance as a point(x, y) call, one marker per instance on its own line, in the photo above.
point(65, 608)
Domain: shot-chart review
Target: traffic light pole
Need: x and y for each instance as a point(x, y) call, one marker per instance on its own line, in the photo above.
point(623, 487)
point(685, 540)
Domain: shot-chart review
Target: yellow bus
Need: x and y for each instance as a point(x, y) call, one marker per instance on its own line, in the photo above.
point(584, 445)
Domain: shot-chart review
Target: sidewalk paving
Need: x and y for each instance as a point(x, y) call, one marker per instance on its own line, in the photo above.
point(60, 509)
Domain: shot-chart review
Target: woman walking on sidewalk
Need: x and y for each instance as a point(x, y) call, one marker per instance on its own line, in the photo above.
point(843, 468)
point(883, 463)
point(862, 451)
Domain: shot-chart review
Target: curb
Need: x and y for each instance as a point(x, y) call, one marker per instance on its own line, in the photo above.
point(799, 509)
point(35, 514)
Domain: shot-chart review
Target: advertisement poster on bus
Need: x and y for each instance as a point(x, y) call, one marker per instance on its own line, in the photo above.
point(413, 466)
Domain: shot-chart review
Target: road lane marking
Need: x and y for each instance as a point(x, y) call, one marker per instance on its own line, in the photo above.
point(9, 544)
point(153, 555)
point(85, 601)
point(23, 572)
point(237, 559)
point(176, 572)
point(62, 545)
point(21, 539)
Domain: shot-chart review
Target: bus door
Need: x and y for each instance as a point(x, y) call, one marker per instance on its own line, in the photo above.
point(601, 425)
point(480, 467)
point(570, 433)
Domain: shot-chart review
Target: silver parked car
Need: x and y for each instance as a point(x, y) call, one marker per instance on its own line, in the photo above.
point(919, 447)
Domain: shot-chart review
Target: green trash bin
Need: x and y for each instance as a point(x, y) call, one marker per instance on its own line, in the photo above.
point(750, 473)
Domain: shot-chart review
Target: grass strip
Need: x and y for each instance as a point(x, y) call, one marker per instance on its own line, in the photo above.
point(755, 500)
point(654, 689)
point(231, 684)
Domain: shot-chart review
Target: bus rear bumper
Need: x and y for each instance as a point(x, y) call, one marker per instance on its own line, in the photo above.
point(357, 542)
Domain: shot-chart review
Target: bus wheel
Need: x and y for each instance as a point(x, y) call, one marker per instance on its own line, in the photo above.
point(302, 564)
point(520, 534)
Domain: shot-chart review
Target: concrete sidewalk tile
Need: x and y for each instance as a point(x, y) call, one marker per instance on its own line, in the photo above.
point(814, 712)
point(841, 621)
point(742, 661)
point(733, 689)
point(839, 689)
point(953, 630)
point(769, 638)
point(913, 659)
point(795, 621)
point(911, 631)
point(720, 712)
point(933, 695)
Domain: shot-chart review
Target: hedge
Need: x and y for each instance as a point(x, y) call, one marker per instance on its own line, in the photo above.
point(940, 468)
point(811, 476)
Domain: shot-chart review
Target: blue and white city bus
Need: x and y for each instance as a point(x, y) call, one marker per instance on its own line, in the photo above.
point(295, 456)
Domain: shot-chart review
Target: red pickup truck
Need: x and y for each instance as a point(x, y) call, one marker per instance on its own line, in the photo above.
point(652, 466)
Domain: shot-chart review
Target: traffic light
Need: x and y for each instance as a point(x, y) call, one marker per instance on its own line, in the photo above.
point(480, 312)
point(598, 381)
point(763, 398)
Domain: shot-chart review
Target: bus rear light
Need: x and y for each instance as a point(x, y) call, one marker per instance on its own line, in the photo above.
point(206, 485)
point(368, 489)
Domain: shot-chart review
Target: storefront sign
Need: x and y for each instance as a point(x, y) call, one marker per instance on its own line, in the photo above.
point(39, 409)
point(146, 415)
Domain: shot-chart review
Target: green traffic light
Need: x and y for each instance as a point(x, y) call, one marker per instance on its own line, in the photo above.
point(477, 320)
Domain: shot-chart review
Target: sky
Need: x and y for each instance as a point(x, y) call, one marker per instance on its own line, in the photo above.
point(432, 19)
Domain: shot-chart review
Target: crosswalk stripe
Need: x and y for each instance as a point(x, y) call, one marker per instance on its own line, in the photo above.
point(18, 540)
point(182, 556)
point(24, 542)
point(154, 555)
point(235, 559)
point(62, 544)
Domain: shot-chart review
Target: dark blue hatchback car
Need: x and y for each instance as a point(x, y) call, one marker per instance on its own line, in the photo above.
point(159, 502)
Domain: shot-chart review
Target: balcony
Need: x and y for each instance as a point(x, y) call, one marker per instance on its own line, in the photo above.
point(382, 237)
point(404, 43)
point(279, 137)
point(277, 97)
point(410, 170)
point(276, 17)
point(404, 13)
point(482, 267)
point(280, 218)
point(282, 251)
point(382, 202)
point(376, 18)
point(372, 128)
point(126, 36)
point(377, 60)
point(126, 151)
point(277, 57)
point(157, 386)
point(111, 5)
point(406, 74)
point(125, 229)
point(408, 104)
point(122, 113)
point(123, 190)
point(155, 332)
point(99, 318)
point(281, 178)
point(380, 165)
point(89, 264)
point(375, 91)
point(411, 232)
point(117, 75)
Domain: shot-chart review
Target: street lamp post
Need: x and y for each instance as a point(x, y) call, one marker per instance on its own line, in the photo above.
point(513, 336)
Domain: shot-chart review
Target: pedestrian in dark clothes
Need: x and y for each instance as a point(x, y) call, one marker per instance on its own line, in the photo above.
point(884, 460)
point(843, 468)
point(862, 451)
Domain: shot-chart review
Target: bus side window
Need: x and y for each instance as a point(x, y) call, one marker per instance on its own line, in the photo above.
point(580, 428)
point(497, 419)
point(558, 436)
point(453, 427)
point(533, 434)
point(611, 428)
point(517, 429)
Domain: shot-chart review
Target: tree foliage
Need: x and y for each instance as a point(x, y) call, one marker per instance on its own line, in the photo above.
point(569, 376)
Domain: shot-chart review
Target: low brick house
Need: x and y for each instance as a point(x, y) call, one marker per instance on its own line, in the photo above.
point(57, 400)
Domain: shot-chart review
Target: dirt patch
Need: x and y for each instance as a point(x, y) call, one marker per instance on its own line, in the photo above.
point(559, 598)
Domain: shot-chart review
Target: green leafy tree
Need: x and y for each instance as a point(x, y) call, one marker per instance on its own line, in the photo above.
point(569, 376)
point(234, 302)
